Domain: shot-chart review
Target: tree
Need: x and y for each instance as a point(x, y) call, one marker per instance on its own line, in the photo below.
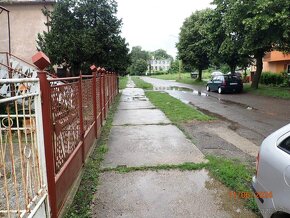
point(260, 26)
point(161, 54)
point(139, 67)
point(174, 66)
point(223, 47)
point(139, 58)
point(85, 32)
point(193, 45)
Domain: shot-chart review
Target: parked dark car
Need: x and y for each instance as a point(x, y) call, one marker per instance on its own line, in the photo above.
point(225, 83)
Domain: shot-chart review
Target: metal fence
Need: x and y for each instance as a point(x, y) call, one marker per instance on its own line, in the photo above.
point(73, 113)
point(23, 185)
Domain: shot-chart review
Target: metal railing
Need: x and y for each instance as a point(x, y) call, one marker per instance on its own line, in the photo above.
point(73, 113)
point(23, 183)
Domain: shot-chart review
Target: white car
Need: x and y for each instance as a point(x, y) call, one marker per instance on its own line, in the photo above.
point(271, 184)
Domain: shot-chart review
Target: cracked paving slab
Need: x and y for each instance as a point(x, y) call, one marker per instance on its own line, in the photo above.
point(149, 145)
point(165, 194)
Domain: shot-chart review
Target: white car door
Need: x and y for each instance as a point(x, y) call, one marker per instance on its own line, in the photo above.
point(282, 200)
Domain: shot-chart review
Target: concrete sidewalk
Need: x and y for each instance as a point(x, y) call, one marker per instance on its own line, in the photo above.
point(142, 136)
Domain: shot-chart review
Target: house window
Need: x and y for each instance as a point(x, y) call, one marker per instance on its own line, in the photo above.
point(288, 69)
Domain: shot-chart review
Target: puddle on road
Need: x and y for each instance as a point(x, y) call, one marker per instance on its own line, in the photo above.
point(174, 88)
point(181, 89)
point(199, 93)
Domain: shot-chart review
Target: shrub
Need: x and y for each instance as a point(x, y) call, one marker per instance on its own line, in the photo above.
point(269, 78)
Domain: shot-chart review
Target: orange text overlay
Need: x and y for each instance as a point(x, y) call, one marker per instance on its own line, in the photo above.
point(246, 195)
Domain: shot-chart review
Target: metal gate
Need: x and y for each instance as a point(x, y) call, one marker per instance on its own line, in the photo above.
point(23, 182)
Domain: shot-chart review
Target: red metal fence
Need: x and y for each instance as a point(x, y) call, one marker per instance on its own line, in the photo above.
point(73, 114)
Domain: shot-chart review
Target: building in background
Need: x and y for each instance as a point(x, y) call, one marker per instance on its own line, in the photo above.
point(26, 21)
point(276, 62)
point(159, 65)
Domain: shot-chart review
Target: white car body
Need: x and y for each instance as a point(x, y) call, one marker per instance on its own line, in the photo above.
point(273, 173)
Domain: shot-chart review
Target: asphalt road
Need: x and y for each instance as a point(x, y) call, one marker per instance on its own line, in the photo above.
point(255, 117)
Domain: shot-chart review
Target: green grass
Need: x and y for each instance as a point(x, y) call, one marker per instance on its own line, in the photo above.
point(235, 175)
point(182, 167)
point(174, 109)
point(141, 83)
point(123, 82)
point(82, 201)
point(182, 78)
point(271, 91)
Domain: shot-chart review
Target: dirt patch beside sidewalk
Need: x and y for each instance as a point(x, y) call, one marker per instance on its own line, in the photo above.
point(211, 144)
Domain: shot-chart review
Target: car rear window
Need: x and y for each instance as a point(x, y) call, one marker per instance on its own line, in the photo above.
point(285, 145)
point(231, 78)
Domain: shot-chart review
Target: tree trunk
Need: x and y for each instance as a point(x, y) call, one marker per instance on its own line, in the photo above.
point(233, 69)
point(199, 75)
point(259, 68)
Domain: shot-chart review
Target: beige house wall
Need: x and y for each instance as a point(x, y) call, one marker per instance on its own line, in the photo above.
point(26, 21)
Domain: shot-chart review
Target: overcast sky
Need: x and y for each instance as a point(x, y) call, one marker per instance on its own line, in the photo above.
point(155, 24)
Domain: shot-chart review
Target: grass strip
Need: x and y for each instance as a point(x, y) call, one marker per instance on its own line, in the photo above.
point(235, 175)
point(80, 206)
point(141, 83)
point(123, 80)
point(174, 109)
point(270, 91)
point(182, 167)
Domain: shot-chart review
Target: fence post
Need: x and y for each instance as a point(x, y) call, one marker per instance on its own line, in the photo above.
point(48, 141)
point(95, 102)
point(101, 97)
point(81, 117)
point(104, 75)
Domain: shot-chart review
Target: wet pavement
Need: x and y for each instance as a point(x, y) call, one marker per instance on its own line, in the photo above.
point(163, 193)
point(257, 116)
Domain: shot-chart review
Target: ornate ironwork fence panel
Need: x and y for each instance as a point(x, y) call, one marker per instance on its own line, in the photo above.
point(73, 113)
point(23, 184)
point(65, 116)
point(88, 106)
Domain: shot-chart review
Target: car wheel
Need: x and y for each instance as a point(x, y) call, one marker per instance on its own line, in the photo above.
point(220, 91)
point(207, 88)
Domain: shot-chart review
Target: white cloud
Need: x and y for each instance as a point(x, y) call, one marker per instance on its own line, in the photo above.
point(155, 24)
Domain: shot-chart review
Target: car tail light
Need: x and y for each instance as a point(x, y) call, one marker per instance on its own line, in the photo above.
point(257, 163)
point(224, 83)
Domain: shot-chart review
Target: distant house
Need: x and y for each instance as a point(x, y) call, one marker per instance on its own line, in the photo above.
point(276, 62)
point(26, 21)
point(159, 65)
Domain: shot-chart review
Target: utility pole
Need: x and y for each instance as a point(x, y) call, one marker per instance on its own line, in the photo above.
point(180, 69)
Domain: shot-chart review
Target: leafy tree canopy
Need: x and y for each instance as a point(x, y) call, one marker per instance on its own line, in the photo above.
point(161, 54)
point(193, 44)
point(139, 60)
point(85, 32)
point(259, 26)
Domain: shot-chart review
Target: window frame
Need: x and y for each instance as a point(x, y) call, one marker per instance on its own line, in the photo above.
point(284, 149)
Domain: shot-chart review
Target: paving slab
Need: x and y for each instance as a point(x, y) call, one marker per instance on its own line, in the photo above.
point(163, 194)
point(133, 91)
point(131, 105)
point(140, 117)
point(240, 142)
point(149, 145)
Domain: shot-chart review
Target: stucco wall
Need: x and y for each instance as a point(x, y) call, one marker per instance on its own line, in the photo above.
point(26, 22)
